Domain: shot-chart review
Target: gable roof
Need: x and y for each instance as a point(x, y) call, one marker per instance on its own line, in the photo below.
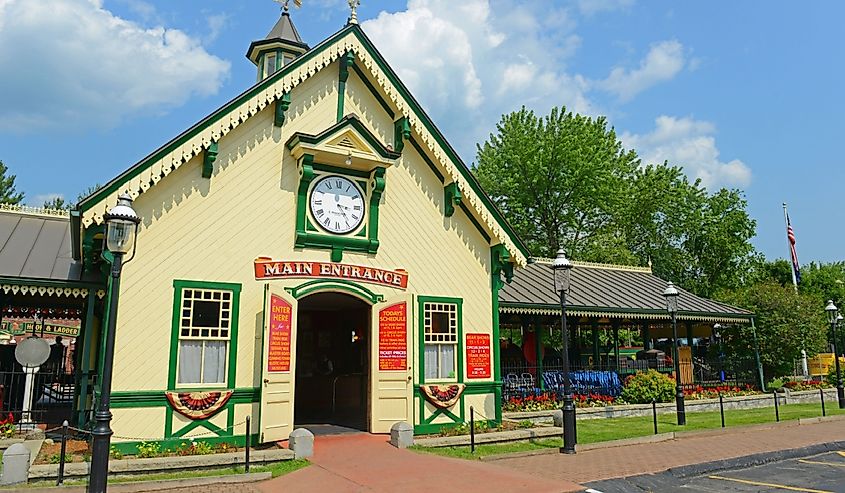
point(150, 170)
point(609, 291)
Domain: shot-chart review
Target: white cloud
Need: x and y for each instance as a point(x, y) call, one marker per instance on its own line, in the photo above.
point(216, 23)
point(72, 63)
point(689, 143)
point(590, 7)
point(663, 62)
point(469, 63)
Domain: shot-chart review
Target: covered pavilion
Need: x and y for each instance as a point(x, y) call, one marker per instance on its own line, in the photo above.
point(609, 309)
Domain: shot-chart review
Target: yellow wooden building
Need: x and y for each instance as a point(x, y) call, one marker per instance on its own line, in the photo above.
point(312, 251)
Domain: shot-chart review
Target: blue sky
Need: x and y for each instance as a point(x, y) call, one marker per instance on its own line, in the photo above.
point(742, 94)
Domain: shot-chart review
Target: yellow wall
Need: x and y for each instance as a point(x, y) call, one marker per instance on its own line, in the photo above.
point(212, 229)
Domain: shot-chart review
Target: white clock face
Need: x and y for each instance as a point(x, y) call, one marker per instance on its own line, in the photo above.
point(337, 204)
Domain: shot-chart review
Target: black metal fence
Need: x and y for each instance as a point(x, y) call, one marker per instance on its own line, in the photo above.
point(29, 398)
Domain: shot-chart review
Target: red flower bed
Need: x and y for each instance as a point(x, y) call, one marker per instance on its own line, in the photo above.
point(700, 392)
point(546, 402)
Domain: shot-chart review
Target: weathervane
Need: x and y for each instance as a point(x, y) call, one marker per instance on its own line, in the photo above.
point(285, 3)
point(353, 6)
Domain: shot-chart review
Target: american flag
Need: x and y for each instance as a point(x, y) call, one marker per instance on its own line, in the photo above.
point(790, 234)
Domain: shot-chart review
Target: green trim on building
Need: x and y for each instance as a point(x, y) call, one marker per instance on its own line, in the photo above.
point(208, 158)
point(131, 448)
point(295, 64)
point(478, 227)
point(280, 110)
point(232, 354)
point(51, 283)
point(307, 236)
point(459, 348)
point(347, 121)
point(345, 62)
point(451, 198)
point(425, 158)
point(660, 314)
point(156, 398)
point(320, 285)
point(401, 133)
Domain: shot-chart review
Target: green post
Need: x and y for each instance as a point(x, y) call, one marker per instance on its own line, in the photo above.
point(85, 360)
point(616, 343)
point(689, 343)
point(538, 352)
point(596, 353)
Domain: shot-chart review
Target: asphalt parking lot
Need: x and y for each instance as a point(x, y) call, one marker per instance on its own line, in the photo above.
point(818, 473)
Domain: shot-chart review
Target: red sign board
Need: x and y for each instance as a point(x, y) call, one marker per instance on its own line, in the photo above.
point(278, 344)
point(478, 355)
point(266, 268)
point(393, 338)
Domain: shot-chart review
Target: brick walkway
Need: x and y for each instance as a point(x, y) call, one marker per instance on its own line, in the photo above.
point(593, 465)
point(367, 463)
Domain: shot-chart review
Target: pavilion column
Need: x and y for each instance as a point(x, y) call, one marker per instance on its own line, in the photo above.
point(689, 342)
point(616, 343)
point(646, 336)
point(596, 355)
point(574, 347)
point(538, 352)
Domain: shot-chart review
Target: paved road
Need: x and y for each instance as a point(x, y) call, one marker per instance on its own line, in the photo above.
point(819, 473)
point(695, 448)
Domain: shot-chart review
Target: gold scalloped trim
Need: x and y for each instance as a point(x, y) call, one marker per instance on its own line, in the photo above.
point(596, 265)
point(226, 123)
point(634, 316)
point(47, 291)
point(35, 211)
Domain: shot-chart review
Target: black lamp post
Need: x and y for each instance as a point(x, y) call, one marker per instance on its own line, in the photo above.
point(671, 294)
point(121, 233)
point(562, 269)
point(832, 315)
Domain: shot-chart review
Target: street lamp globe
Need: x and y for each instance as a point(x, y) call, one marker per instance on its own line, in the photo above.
point(671, 294)
point(832, 311)
point(121, 226)
point(562, 268)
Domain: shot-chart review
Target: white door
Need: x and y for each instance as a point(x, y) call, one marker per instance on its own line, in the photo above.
point(278, 365)
point(391, 384)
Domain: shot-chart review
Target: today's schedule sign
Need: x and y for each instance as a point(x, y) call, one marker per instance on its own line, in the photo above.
point(393, 337)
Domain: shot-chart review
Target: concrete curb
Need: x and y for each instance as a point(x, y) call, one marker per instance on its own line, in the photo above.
point(165, 484)
point(492, 437)
point(661, 437)
point(163, 464)
point(752, 460)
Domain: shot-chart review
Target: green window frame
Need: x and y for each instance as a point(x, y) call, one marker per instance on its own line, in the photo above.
point(445, 309)
point(185, 294)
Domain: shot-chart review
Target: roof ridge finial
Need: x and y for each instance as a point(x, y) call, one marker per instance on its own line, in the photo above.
point(353, 7)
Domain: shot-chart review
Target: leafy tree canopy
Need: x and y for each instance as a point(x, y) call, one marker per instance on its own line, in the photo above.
point(57, 202)
point(8, 194)
point(565, 180)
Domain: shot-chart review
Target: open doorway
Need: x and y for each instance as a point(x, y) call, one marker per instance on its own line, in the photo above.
point(332, 361)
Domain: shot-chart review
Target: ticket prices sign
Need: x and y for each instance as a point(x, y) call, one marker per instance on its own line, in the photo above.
point(478, 356)
point(393, 338)
point(278, 343)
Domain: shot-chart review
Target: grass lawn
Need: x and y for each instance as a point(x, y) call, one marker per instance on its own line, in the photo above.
point(276, 469)
point(601, 430)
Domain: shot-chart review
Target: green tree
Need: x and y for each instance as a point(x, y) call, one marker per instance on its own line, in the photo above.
point(699, 240)
point(57, 202)
point(561, 180)
point(824, 282)
point(8, 194)
point(786, 322)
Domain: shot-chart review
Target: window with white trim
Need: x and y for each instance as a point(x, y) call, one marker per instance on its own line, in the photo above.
point(204, 336)
point(270, 64)
point(440, 331)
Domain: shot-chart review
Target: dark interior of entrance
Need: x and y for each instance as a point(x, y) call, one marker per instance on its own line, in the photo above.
point(332, 361)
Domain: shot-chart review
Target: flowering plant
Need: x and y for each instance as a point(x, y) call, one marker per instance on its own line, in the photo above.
point(698, 392)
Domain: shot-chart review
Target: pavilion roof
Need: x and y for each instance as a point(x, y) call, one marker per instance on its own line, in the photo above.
point(610, 291)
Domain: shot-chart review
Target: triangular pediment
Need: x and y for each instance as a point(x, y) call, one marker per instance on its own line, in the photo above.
point(349, 142)
point(271, 90)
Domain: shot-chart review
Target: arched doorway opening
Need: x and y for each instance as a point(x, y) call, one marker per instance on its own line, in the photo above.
point(332, 361)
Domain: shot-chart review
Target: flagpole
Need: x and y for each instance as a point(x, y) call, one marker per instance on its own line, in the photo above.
point(789, 245)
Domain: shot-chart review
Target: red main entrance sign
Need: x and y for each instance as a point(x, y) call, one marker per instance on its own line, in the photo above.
point(266, 268)
point(393, 337)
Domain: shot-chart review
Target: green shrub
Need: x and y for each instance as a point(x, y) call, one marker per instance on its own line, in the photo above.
point(56, 458)
point(831, 375)
point(775, 384)
point(149, 449)
point(114, 453)
point(642, 387)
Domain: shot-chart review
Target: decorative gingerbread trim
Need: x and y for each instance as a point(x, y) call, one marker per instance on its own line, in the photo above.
point(198, 405)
